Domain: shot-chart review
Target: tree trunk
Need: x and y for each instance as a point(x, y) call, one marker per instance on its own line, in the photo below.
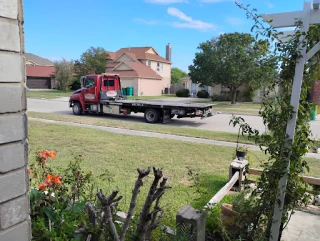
point(233, 96)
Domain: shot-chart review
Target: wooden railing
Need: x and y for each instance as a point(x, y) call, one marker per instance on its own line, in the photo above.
point(310, 180)
point(223, 191)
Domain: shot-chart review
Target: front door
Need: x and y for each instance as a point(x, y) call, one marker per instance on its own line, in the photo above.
point(193, 89)
point(89, 91)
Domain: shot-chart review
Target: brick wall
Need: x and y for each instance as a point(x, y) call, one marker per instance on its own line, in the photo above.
point(315, 92)
point(14, 186)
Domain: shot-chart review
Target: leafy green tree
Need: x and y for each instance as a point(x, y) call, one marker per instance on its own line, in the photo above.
point(92, 61)
point(177, 75)
point(232, 60)
point(64, 73)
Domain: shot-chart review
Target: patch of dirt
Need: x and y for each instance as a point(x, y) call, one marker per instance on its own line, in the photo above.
point(185, 182)
point(310, 209)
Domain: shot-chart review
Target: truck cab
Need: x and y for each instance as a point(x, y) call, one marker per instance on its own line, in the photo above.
point(94, 89)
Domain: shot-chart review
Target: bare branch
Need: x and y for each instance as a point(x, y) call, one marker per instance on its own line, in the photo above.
point(135, 192)
point(91, 213)
point(145, 216)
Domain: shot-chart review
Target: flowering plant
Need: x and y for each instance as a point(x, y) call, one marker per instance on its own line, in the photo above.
point(57, 210)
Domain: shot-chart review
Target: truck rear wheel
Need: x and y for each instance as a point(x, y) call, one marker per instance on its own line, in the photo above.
point(152, 116)
point(76, 108)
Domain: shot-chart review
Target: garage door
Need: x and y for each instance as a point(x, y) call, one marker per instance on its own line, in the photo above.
point(38, 83)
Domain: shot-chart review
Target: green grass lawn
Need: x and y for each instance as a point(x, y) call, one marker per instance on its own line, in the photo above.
point(165, 129)
point(120, 155)
point(241, 108)
point(50, 94)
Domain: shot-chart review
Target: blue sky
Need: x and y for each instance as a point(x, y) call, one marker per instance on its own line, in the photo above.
point(66, 28)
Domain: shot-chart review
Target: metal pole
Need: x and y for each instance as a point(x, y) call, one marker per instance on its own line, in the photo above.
point(295, 97)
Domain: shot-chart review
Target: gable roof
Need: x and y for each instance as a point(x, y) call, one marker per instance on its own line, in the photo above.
point(40, 71)
point(138, 69)
point(130, 55)
point(38, 60)
point(141, 53)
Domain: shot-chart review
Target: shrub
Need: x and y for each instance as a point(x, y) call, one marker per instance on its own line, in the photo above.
point(183, 93)
point(75, 85)
point(65, 207)
point(224, 96)
point(203, 94)
point(57, 202)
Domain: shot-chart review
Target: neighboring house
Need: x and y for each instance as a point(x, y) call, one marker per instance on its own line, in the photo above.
point(194, 87)
point(141, 68)
point(40, 72)
point(216, 89)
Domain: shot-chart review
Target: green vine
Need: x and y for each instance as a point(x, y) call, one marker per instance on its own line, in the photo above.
point(276, 114)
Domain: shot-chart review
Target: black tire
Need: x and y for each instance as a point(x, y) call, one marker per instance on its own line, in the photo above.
point(152, 116)
point(77, 109)
point(172, 115)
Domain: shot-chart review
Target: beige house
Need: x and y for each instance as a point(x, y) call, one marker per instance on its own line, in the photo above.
point(141, 68)
point(216, 89)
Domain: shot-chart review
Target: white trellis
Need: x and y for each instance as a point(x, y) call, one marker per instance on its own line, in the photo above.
point(308, 16)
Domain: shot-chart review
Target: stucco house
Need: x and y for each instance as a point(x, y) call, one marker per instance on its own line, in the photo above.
point(40, 72)
point(141, 68)
point(216, 89)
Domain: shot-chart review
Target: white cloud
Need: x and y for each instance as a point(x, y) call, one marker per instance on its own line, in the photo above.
point(235, 21)
point(216, 1)
point(269, 5)
point(188, 22)
point(148, 22)
point(166, 1)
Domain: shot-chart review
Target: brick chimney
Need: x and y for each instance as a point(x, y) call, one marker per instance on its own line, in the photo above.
point(168, 52)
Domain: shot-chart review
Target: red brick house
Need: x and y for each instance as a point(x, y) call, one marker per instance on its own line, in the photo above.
point(40, 72)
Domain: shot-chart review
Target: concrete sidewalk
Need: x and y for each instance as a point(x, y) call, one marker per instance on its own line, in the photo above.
point(302, 227)
point(157, 135)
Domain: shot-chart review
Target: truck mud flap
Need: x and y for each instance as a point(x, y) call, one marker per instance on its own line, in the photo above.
point(166, 116)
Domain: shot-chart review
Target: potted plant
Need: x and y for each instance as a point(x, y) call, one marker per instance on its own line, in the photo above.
point(241, 152)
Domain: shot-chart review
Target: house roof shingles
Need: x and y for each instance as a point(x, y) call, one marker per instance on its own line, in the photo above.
point(140, 53)
point(40, 71)
point(38, 60)
point(138, 69)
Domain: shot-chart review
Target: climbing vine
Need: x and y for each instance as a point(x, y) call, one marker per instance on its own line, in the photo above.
point(276, 113)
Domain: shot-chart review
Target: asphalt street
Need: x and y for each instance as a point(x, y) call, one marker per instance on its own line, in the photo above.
point(218, 122)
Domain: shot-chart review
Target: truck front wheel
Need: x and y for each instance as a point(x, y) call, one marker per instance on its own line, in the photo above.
point(152, 116)
point(76, 108)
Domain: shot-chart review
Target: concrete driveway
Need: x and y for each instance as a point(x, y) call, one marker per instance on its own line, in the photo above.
point(218, 122)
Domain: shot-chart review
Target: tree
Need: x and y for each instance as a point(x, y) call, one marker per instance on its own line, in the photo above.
point(177, 75)
point(64, 73)
point(93, 61)
point(232, 60)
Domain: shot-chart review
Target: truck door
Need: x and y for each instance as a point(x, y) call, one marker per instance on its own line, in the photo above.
point(89, 91)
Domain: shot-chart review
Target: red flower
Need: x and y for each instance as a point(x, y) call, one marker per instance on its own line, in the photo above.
point(29, 171)
point(53, 179)
point(52, 154)
point(43, 186)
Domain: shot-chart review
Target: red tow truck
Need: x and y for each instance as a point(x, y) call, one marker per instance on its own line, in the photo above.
point(102, 94)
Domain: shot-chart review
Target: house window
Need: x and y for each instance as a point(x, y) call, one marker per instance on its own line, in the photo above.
point(160, 67)
point(149, 62)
